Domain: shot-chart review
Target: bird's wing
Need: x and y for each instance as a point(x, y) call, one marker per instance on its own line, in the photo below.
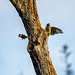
point(55, 30)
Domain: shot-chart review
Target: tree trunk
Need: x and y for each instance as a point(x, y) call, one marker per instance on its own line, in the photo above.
point(37, 36)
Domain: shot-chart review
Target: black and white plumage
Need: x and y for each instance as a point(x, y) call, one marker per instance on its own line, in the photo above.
point(22, 36)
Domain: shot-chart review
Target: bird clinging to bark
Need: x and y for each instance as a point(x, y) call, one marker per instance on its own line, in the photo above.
point(22, 36)
point(52, 30)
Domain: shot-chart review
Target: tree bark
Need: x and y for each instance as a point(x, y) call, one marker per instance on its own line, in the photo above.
point(37, 36)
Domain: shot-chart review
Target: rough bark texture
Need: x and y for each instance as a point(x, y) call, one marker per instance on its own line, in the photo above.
point(37, 36)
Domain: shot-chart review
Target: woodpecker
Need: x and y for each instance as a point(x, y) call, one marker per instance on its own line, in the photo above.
point(22, 36)
point(52, 30)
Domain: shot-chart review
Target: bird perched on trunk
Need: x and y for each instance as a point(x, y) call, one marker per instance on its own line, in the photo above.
point(52, 30)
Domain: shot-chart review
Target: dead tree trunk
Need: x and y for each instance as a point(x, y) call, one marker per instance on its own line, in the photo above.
point(37, 36)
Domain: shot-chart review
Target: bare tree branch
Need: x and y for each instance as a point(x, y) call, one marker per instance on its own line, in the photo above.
point(38, 38)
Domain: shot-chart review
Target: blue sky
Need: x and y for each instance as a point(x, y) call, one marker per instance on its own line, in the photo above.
point(14, 57)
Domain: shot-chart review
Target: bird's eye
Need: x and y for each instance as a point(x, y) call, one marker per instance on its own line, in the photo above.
point(47, 24)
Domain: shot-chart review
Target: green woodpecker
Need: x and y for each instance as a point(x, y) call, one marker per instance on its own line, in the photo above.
point(52, 30)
